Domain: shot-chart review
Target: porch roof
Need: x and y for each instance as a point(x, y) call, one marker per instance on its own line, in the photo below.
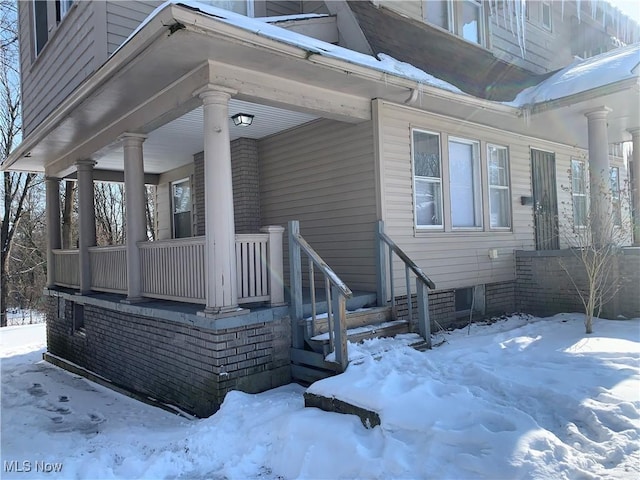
point(182, 46)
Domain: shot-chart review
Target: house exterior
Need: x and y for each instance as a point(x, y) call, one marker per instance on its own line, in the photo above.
point(409, 113)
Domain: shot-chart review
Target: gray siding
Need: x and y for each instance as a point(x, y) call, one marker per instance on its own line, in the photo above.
point(288, 7)
point(65, 61)
point(123, 18)
point(322, 174)
point(546, 50)
point(457, 259)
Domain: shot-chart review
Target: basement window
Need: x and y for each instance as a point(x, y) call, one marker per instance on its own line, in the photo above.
point(78, 317)
point(469, 299)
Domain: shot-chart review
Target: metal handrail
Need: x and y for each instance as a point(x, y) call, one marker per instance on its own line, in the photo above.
point(407, 261)
point(322, 265)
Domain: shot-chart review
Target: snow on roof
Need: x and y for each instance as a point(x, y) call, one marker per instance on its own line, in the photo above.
point(604, 69)
point(387, 64)
point(607, 68)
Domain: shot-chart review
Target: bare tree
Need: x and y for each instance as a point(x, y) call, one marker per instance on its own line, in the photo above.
point(595, 240)
point(68, 210)
point(16, 185)
point(110, 213)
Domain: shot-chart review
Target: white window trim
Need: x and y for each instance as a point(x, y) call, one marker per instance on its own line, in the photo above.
point(438, 228)
point(500, 187)
point(453, 12)
point(173, 209)
point(477, 179)
point(584, 194)
point(549, 27)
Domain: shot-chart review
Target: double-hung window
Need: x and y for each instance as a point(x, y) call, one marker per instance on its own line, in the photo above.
point(614, 176)
point(579, 192)
point(427, 179)
point(465, 183)
point(499, 194)
point(181, 206)
point(44, 13)
point(464, 18)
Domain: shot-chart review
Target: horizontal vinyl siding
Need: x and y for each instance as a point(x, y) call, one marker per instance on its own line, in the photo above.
point(276, 9)
point(123, 18)
point(545, 50)
point(460, 258)
point(322, 174)
point(65, 61)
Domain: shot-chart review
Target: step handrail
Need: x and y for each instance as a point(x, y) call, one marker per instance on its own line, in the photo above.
point(407, 261)
point(323, 266)
point(423, 282)
point(337, 293)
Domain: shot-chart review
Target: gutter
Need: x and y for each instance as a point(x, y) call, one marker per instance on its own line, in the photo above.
point(165, 19)
point(124, 56)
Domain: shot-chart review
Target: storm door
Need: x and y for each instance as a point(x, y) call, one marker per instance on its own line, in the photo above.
point(545, 200)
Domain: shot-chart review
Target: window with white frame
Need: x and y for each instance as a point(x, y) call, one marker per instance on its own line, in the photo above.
point(579, 192)
point(499, 193)
point(465, 183)
point(181, 208)
point(44, 11)
point(243, 7)
point(614, 176)
point(546, 15)
point(427, 179)
point(464, 18)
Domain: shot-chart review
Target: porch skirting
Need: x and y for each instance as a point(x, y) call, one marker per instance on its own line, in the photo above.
point(189, 361)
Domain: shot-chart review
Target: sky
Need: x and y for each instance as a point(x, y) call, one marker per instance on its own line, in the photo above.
point(628, 7)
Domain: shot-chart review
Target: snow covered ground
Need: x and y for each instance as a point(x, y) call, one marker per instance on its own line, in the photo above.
point(521, 398)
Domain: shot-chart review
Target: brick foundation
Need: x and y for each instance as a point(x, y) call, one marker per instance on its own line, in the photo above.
point(544, 288)
point(184, 365)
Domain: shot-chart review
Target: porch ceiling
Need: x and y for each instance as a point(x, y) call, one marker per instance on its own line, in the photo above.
point(175, 143)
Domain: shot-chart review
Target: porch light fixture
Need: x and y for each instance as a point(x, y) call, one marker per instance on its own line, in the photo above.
point(242, 119)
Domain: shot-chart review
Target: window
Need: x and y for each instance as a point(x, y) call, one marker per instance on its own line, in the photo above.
point(427, 179)
point(499, 194)
point(181, 205)
point(614, 175)
point(41, 17)
point(579, 192)
point(78, 317)
point(547, 15)
point(237, 6)
point(40, 24)
point(464, 182)
point(464, 18)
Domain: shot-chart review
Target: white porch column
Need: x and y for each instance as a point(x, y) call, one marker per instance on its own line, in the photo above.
point(600, 184)
point(86, 221)
point(134, 211)
point(52, 207)
point(635, 186)
point(220, 257)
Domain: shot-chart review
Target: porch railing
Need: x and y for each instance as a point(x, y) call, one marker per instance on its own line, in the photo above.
point(174, 269)
point(422, 282)
point(336, 292)
point(109, 268)
point(67, 268)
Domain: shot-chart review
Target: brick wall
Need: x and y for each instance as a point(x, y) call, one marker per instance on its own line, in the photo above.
point(246, 194)
point(543, 286)
point(499, 299)
point(190, 367)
